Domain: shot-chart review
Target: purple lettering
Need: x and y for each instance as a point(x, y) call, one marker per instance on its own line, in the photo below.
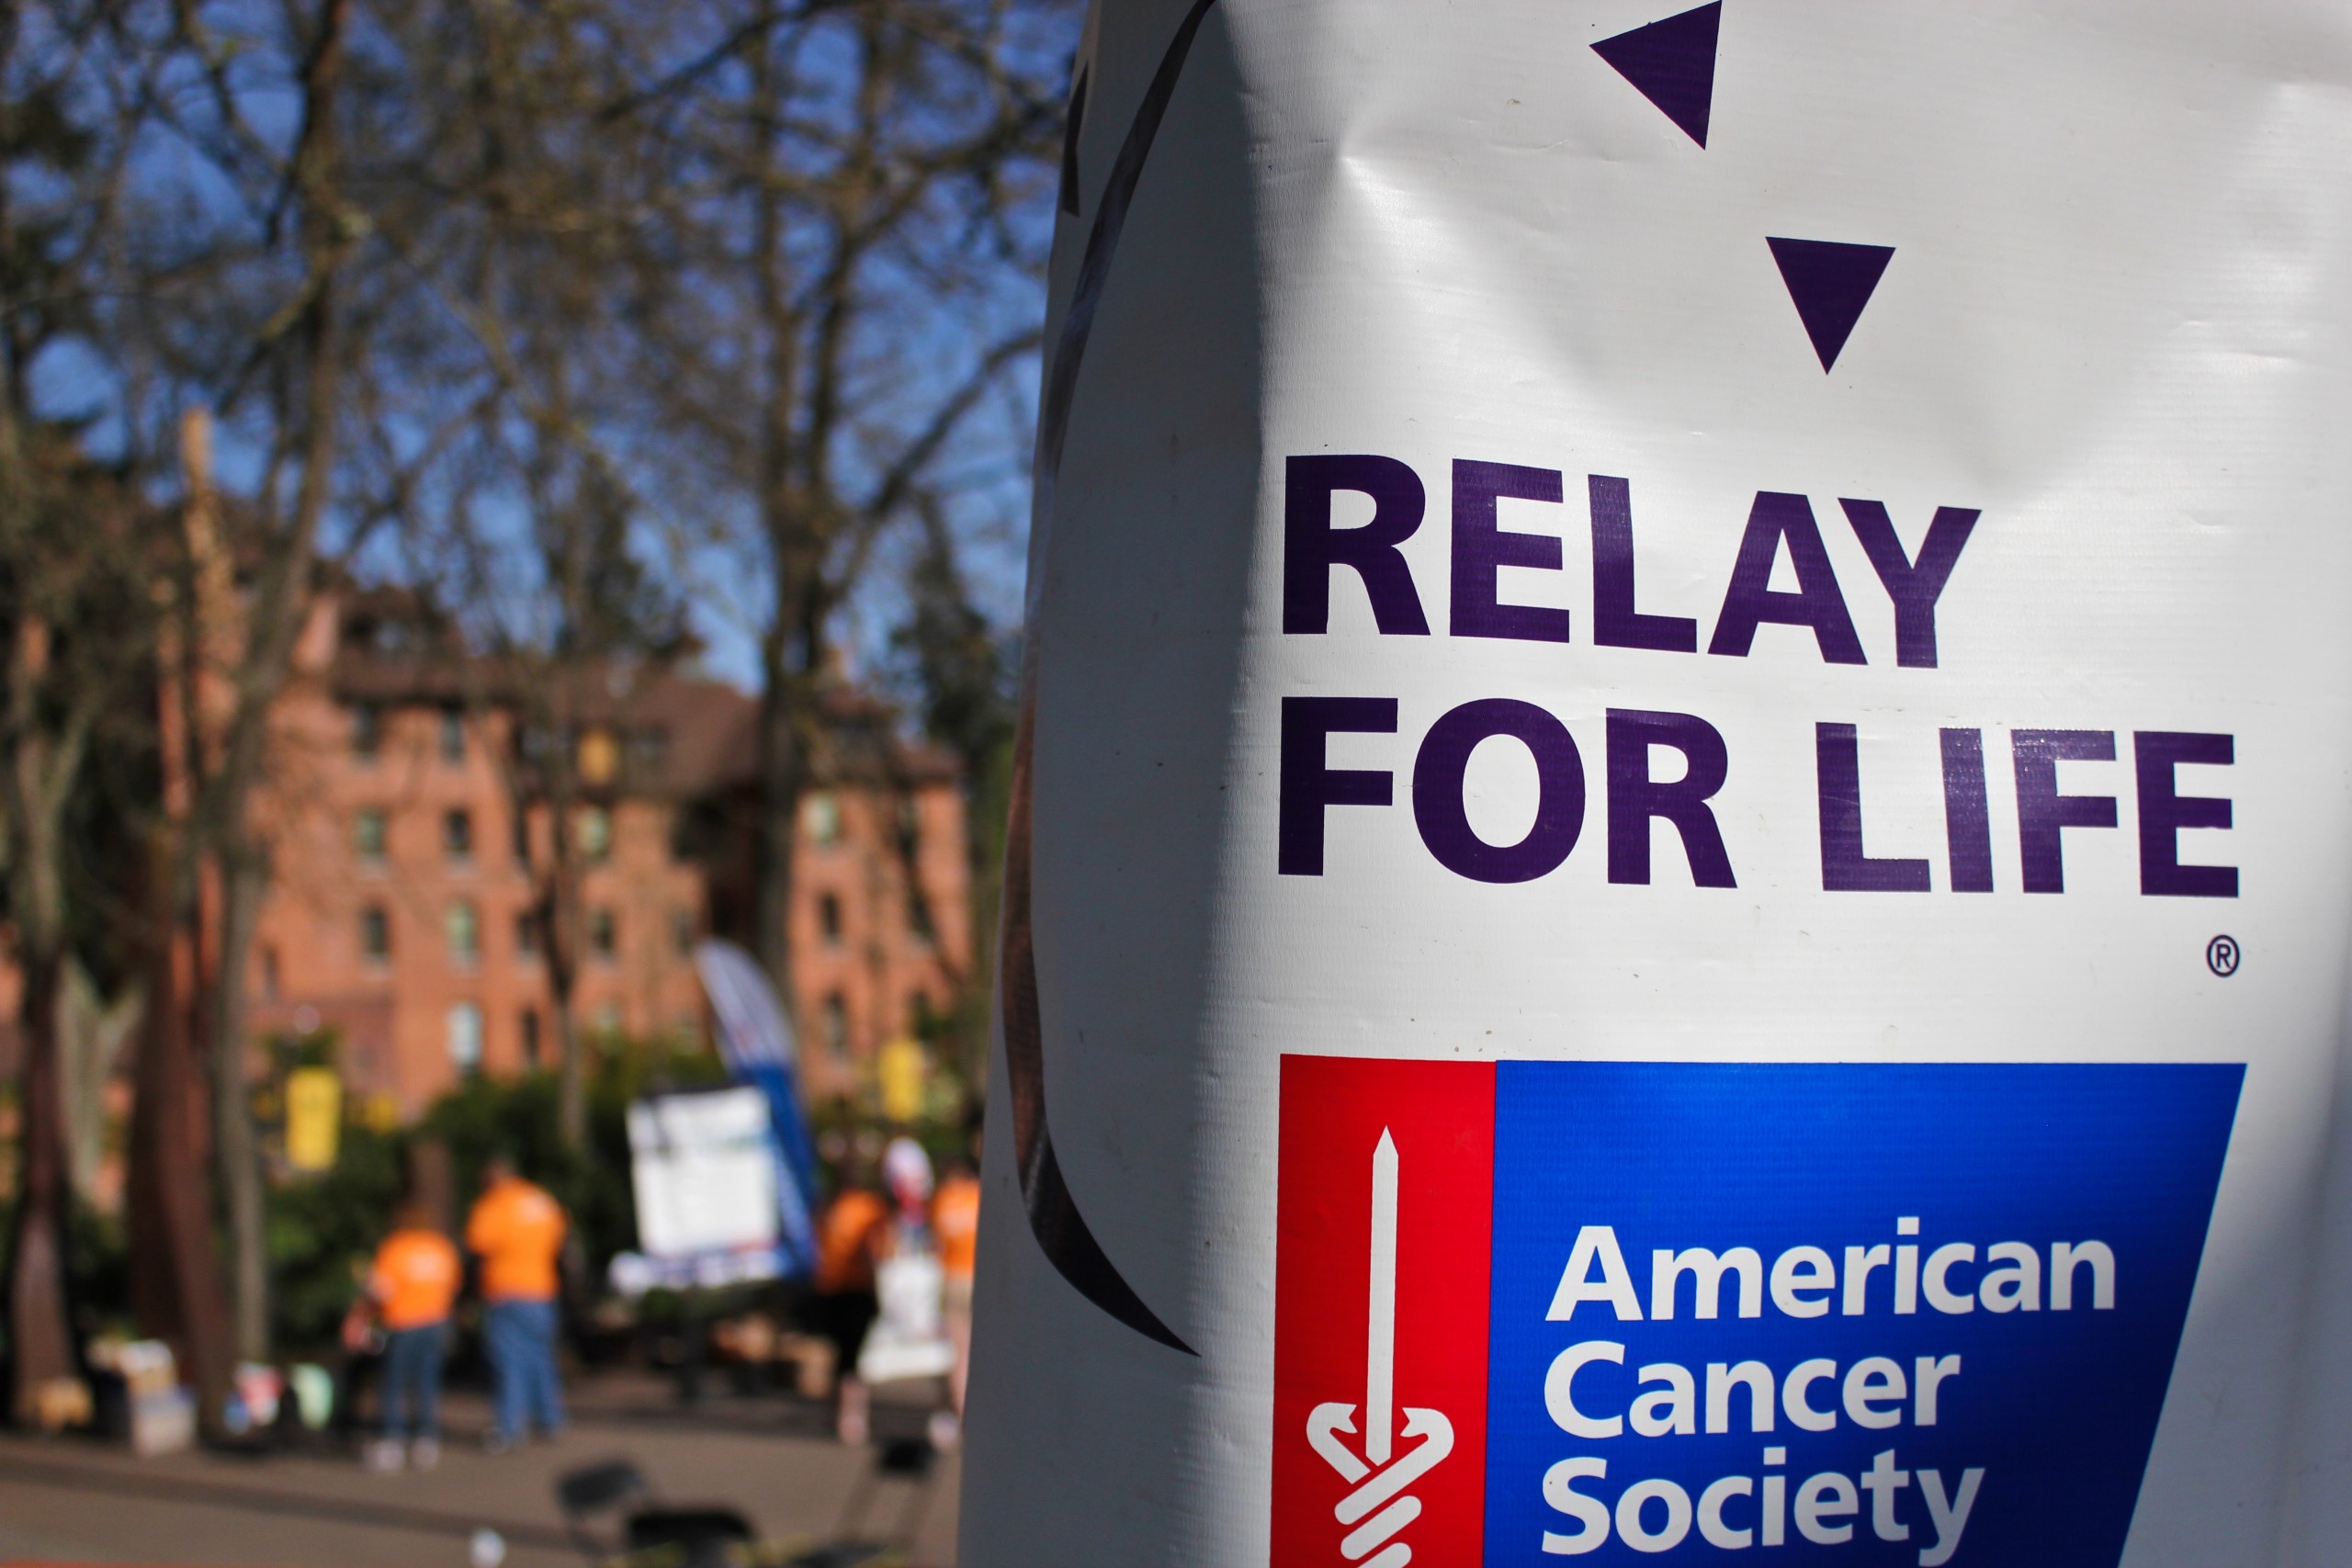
point(2164, 813)
point(1615, 621)
point(1437, 791)
point(1751, 601)
point(1311, 547)
point(2043, 812)
point(1915, 586)
point(1481, 546)
point(1635, 796)
point(1968, 818)
point(1837, 761)
point(1307, 786)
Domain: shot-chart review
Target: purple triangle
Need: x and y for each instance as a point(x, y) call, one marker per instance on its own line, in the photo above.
point(1830, 283)
point(1672, 63)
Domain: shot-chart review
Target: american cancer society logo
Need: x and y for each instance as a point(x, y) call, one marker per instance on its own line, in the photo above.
point(1853, 1314)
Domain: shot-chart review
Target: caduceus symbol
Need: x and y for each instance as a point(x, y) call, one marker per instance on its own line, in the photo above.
point(1376, 1477)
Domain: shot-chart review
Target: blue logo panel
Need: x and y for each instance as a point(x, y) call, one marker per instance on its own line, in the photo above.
point(1855, 1314)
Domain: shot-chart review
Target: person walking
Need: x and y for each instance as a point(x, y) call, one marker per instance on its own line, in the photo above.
point(956, 1228)
point(517, 1231)
point(411, 1285)
point(847, 1237)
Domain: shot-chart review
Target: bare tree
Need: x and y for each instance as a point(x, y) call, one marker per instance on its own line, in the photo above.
point(534, 259)
point(66, 575)
point(748, 271)
point(298, 231)
point(860, 193)
point(963, 668)
point(250, 286)
point(755, 274)
point(72, 650)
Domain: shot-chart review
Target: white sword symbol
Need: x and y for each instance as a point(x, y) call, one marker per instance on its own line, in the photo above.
point(1327, 1421)
point(1380, 1340)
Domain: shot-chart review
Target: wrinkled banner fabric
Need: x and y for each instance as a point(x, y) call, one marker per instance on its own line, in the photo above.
point(1678, 871)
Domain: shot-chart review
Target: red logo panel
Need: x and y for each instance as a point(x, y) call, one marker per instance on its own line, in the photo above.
point(1382, 1229)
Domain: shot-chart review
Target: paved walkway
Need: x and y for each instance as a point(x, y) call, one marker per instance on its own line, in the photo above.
point(70, 1501)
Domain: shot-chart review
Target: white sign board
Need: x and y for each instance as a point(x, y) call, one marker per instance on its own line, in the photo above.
point(1681, 871)
point(703, 1170)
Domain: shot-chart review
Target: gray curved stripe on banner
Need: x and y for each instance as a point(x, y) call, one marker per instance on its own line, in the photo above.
point(1060, 1230)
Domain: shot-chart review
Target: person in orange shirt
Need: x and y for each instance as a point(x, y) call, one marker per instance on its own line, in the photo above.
point(415, 1279)
point(517, 1231)
point(956, 1226)
point(849, 1236)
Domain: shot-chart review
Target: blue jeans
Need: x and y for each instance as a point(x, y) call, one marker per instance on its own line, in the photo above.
point(413, 1378)
point(520, 1338)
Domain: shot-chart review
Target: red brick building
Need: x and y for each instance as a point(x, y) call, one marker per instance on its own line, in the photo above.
point(401, 892)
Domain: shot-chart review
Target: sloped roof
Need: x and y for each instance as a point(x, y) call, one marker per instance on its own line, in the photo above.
point(710, 729)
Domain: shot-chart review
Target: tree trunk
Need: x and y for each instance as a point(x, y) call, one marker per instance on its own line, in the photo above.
point(571, 1080)
point(782, 756)
point(40, 1334)
point(242, 887)
point(563, 933)
point(175, 1270)
point(985, 819)
point(781, 772)
point(91, 1034)
point(278, 605)
point(571, 1085)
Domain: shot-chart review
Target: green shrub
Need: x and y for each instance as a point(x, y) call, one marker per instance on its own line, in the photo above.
point(325, 1228)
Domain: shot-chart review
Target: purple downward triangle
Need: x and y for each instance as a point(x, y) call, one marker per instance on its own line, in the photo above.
point(1830, 283)
point(1672, 63)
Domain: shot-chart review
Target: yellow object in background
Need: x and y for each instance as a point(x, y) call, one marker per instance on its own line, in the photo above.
point(900, 1069)
point(313, 1117)
point(599, 757)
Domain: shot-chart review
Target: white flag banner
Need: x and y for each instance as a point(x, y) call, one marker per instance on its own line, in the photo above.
point(1682, 833)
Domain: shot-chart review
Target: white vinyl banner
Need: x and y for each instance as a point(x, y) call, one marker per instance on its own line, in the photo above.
point(1679, 870)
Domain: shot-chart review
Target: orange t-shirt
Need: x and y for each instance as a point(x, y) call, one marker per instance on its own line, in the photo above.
point(517, 1232)
point(845, 1240)
point(955, 1221)
point(415, 1279)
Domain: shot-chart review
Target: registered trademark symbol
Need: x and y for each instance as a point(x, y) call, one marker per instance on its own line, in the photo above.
point(2221, 955)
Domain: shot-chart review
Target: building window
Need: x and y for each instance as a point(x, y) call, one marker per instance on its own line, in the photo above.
point(369, 833)
point(269, 972)
point(604, 934)
point(375, 934)
point(606, 1019)
point(919, 1019)
point(527, 933)
point(696, 832)
point(457, 834)
point(367, 731)
point(918, 917)
point(465, 1036)
point(464, 928)
point(520, 826)
point(453, 734)
point(649, 750)
point(595, 829)
point(530, 1034)
point(820, 817)
point(682, 931)
point(829, 918)
point(835, 1024)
